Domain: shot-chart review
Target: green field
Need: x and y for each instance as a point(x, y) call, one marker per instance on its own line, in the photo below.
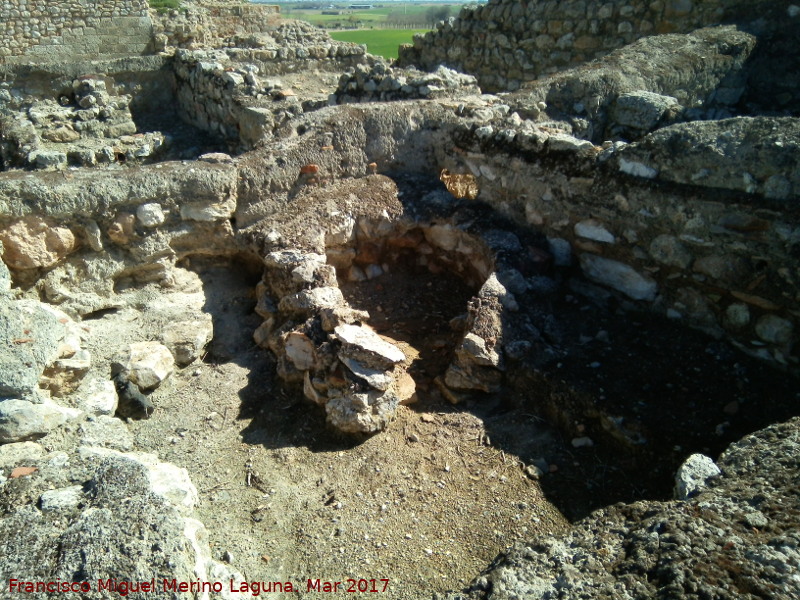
point(398, 15)
point(382, 42)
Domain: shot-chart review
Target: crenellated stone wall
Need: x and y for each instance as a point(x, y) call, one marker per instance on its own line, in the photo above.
point(505, 43)
point(73, 30)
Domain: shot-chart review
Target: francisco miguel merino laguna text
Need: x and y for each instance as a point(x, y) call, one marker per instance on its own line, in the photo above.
point(256, 588)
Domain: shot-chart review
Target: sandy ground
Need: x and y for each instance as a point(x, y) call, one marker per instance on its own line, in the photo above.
point(425, 505)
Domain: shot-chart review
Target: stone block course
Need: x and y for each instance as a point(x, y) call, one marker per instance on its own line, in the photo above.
point(66, 30)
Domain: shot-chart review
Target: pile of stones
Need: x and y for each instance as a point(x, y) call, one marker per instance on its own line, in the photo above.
point(87, 125)
point(381, 82)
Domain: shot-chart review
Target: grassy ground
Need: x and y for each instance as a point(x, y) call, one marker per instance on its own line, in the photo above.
point(396, 15)
point(382, 42)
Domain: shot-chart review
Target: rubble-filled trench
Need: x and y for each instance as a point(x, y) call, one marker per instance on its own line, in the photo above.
point(389, 342)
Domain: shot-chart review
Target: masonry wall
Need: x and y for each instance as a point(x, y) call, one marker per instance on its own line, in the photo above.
point(211, 25)
point(43, 30)
point(507, 42)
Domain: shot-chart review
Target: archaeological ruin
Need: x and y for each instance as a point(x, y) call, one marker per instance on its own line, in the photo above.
point(512, 316)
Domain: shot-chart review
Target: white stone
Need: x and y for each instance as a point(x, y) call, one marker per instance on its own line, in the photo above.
point(340, 230)
point(208, 211)
point(168, 481)
point(106, 432)
point(793, 10)
point(21, 420)
point(380, 380)
point(582, 442)
point(373, 271)
point(637, 169)
point(98, 397)
point(300, 350)
point(311, 301)
point(693, 474)
point(618, 276)
point(150, 215)
point(150, 364)
point(10, 454)
point(492, 288)
point(362, 412)
point(364, 345)
point(442, 236)
point(310, 392)
point(774, 329)
point(562, 142)
point(592, 229)
point(187, 339)
point(473, 348)
point(63, 499)
point(94, 237)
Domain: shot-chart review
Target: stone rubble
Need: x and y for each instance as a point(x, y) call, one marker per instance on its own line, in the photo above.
point(380, 83)
point(717, 543)
point(89, 125)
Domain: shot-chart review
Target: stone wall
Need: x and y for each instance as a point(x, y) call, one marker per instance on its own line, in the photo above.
point(209, 25)
point(224, 93)
point(73, 30)
point(707, 258)
point(505, 43)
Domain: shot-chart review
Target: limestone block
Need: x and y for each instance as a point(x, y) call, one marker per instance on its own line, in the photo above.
point(367, 347)
point(166, 480)
point(641, 110)
point(150, 215)
point(65, 374)
point(376, 378)
point(36, 242)
point(693, 475)
point(186, 339)
point(473, 349)
point(300, 350)
point(105, 431)
point(16, 453)
point(775, 329)
point(21, 420)
point(208, 211)
point(48, 159)
point(149, 364)
point(362, 412)
point(32, 335)
point(618, 276)
point(312, 301)
point(592, 229)
point(98, 397)
point(62, 499)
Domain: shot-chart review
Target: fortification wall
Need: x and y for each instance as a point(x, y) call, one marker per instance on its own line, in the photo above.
point(507, 42)
point(73, 30)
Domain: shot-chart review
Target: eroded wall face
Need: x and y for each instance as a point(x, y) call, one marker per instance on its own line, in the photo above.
point(73, 30)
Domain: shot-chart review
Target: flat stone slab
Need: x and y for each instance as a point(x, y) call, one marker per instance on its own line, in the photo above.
point(367, 347)
point(380, 380)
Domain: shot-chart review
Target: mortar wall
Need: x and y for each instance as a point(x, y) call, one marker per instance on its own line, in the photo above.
point(43, 31)
point(508, 42)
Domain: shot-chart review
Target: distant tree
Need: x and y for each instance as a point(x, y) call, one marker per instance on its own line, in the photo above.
point(437, 13)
